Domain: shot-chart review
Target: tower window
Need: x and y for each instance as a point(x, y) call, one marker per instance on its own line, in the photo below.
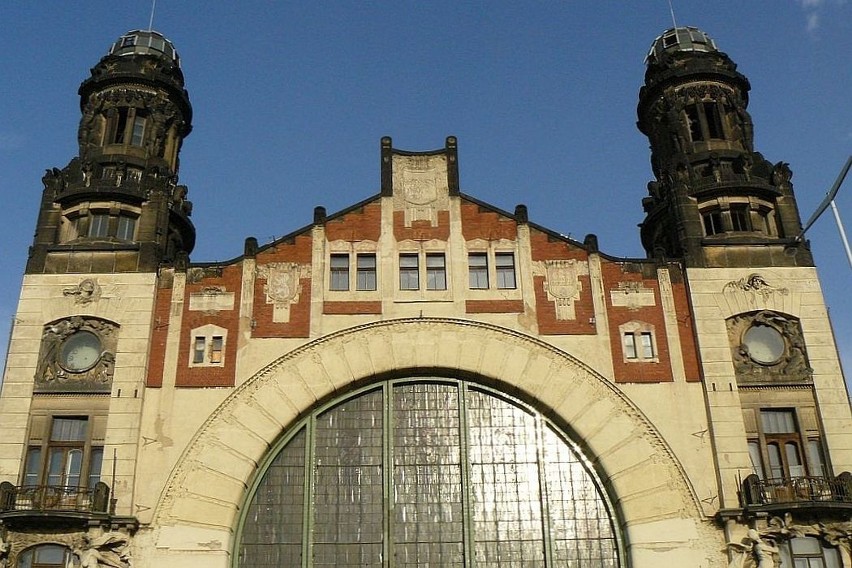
point(712, 222)
point(740, 218)
point(99, 225)
point(126, 230)
point(694, 123)
point(119, 126)
point(714, 121)
point(137, 135)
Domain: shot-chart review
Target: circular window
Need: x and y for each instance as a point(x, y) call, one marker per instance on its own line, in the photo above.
point(80, 351)
point(764, 344)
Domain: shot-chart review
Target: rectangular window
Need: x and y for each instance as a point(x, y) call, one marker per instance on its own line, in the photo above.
point(32, 467)
point(126, 228)
point(96, 460)
point(477, 266)
point(630, 346)
point(119, 125)
point(712, 222)
point(366, 272)
point(694, 123)
point(65, 452)
point(339, 272)
point(409, 272)
point(714, 121)
point(783, 444)
point(199, 349)
point(137, 136)
point(99, 225)
point(647, 342)
point(504, 263)
point(740, 219)
point(436, 271)
point(216, 349)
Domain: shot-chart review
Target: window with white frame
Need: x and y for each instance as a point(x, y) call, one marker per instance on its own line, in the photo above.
point(409, 271)
point(100, 224)
point(638, 342)
point(504, 265)
point(436, 271)
point(477, 267)
point(208, 346)
point(339, 272)
point(66, 456)
point(365, 272)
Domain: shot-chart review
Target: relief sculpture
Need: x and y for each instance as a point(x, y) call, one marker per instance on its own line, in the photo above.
point(77, 355)
point(282, 288)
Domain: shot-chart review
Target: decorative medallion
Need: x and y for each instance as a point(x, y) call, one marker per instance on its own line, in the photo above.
point(768, 347)
point(77, 355)
point(420, 187)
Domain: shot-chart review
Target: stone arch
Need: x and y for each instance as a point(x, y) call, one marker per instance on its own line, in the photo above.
point(658, 511)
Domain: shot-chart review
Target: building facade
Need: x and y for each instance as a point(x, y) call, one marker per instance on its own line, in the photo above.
point(423, 379)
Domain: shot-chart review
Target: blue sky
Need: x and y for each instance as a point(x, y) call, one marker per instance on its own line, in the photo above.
point(291, 98)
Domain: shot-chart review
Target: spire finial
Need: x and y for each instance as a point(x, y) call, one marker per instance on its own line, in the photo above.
point(151, 20)
point(671, 9)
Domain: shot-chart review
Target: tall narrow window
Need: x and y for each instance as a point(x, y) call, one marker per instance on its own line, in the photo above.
point(99, 225)
point(216, 344)
point(199, 349)
point(504, 262)
point(409, 272)
point(119, 125)
point(694, 123)
point(65, 453)
point(740, 220)
point(366, 272)
point(637, 340)
point(712, 222)
point(714, 121)
point(647, 343)
point(477, 266)
point(436, 271)
point(137, 134)
point(783, 444)
point(339, 272)
point(126, 229)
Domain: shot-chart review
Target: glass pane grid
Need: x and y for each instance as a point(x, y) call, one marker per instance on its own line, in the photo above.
point(513, 461)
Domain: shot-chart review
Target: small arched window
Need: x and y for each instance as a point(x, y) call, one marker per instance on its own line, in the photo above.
point(45, 556)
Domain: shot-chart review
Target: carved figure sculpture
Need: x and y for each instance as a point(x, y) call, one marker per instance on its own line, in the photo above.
point(753, 552)
point(109, 549)
point(4, 552)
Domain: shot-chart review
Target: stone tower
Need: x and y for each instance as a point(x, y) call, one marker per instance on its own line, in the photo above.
point(715, 202)
point(117, 207)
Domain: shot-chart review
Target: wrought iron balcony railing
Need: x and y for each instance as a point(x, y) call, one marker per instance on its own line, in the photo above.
point(53, 498)
point(797, 490)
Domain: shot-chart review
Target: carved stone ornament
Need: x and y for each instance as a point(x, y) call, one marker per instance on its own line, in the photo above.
point(84, 293)
point(283, 287)
point(836, 534)
point(768, 347)
point(94, 549)
point(77, 355)
point(632, 295)
point(563, 286)
point(755, 286)
point(420, 187)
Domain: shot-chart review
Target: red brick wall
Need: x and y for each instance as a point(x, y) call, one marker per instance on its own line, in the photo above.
point(636, 371)
point(211, 376)
point(159, 336)
point(345, 308)
point(299, 250)
point(544, 247)
point(481, 223)
point(421, 230)
point(494, 306)
point(364, 224)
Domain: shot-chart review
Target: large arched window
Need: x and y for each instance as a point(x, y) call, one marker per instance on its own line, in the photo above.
point(45, 556)
point(426, 472)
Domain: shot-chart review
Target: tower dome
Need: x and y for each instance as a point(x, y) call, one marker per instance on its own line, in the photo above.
point(145, 42)
point(684, 38)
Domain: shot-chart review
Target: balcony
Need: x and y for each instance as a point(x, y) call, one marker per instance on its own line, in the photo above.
point(797, 492)
point(53, 502)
